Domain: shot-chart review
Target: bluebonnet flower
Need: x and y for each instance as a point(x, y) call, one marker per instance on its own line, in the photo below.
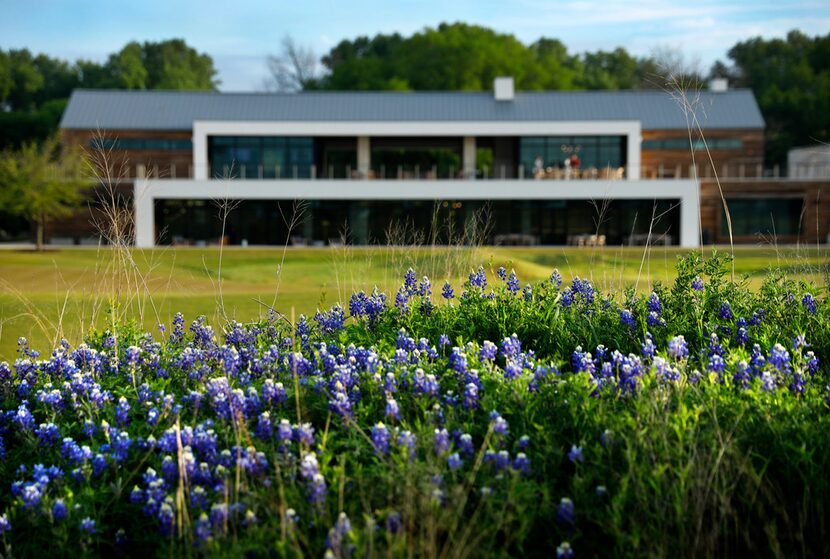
point(654, 304)
point(654, 320)
point(742, 336)
point(584, 289)
point(513, 282)
point(678, 348)
point(567, 298)
point(88, 525)
point(767, 381)
point(465, 444)
point(478, 278)
point(527, 293)
point(779, 357)
point(648, 347)
point(575, 454)
point(511, 346)
point(757, 317)
point(697, 284)
point(812, 363)
point(406, 441)
point(48, 434)
point(521, 463)
point(565, 513)
point(502, 273)
point(424, 288)
point(402, 300)
point(392, 409)
point(556, 278)
point(809, 303)
point(498, 423)
point(409, 281)
point(471, 396)
point(23, 417)
point(725, 312)
point(454, 461)
point(564, 551)
point(122, 411)
point(380, 438)
point(5, 525)
point(443, 340)
point(524, 441)
point(488, 351)
point(716, 364)
point(304, 434)
point(799, 342)
point(442, 442)
point(331, 321)
point(336, 542)
point(59, 510)
point(627, 319)
point(715, 347)
point(741, 377)
point(446, 291)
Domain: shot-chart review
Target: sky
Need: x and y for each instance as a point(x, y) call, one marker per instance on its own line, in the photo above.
point(240, 34)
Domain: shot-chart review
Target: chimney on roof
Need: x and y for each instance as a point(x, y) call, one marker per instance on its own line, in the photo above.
point(718, 85)
point(503, 88)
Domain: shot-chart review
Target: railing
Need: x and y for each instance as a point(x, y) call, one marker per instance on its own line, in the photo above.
point(727, 171)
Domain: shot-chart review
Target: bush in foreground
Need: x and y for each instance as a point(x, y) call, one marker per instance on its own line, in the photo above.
point(522, 420)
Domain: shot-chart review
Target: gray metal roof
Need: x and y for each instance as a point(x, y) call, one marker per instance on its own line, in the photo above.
point(176, 110)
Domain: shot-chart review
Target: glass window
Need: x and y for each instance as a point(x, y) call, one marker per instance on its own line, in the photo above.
point(260, 156)
point(764, 216)
point(593, 151)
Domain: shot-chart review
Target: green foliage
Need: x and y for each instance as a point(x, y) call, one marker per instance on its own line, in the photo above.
point(790, 78)
point(40, 182)
point(31, 86)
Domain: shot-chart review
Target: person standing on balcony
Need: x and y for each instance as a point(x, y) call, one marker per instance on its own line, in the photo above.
point(538, 167)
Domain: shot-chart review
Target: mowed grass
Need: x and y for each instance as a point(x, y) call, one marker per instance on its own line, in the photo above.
point(63, 293)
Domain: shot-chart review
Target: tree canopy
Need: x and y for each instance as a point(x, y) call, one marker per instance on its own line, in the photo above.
point(34, 89)
point(41, 182)
point(791, 81)
point(790, 77)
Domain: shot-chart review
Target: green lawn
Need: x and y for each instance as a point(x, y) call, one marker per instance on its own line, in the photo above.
point(62, 292)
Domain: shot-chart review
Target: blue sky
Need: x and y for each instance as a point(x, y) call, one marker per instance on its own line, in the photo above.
point(239, 34)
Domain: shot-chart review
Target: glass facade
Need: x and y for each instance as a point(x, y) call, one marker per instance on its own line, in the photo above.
point(371, 222)
point(161, 144)
point(266, 157)
point(763, 216)
point(593, 151)
point(683, 144)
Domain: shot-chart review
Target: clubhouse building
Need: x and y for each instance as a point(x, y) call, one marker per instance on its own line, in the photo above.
point(532, 168)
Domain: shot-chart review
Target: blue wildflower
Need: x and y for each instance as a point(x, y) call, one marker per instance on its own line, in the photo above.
point(575, 454)
point(513, 282)
point(565, 513)
point(809, 303)
point(380, 438)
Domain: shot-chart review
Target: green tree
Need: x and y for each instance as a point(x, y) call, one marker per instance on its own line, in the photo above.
point(25, 78)
point(127, 69)
point(172, 64)
point(41, 182)
point(791, 79)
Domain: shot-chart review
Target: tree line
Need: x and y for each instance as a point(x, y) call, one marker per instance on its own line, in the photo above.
point(789, 76)
point(34, 88)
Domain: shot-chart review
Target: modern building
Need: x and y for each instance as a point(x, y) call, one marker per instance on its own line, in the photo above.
point(617, 167)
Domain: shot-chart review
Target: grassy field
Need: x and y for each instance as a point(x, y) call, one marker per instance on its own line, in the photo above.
point(44, 296)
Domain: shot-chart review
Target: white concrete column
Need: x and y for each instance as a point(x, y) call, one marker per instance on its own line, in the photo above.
point(364, 156)
point(145, 218)
point(200, 155)
point(468, 157)
point(690, 215)
point(635, 140)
